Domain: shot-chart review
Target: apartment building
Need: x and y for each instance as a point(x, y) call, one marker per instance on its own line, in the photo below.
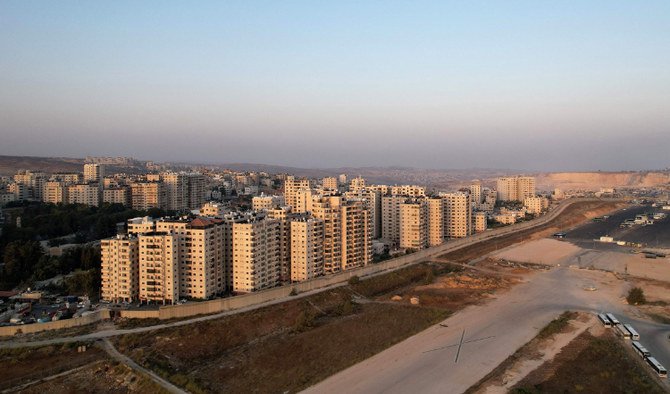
point(329, 183)
point(84, 193)
point(414, 224)
point(480, 222)
point(212, 209)
point(373, 201)
point(120, 268)
point(158, 268)
point(457, 215)
point(476, 196)
point(256, 254)
point(356, 234)
point(328, 210)
point(94, 173)
point(33, 183)
point(197, 184)
point(147, 195)
point(536, 205)
point(435, 221)
point(357, 184)
point(291, 188)
point(391, 218)
point(408, 190)
point(176, 191)
point(306, 255)
point(55, 192)
point(262, 202)
point(515, 188)
point(117, 195)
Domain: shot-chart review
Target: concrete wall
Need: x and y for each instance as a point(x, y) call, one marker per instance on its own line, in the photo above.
point(94, 317)
point(226, 304)
point(142, 314)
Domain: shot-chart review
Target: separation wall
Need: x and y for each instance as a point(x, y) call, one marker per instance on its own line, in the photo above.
point(94, 317)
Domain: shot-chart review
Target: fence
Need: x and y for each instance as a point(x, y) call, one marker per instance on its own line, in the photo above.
point(93, 317)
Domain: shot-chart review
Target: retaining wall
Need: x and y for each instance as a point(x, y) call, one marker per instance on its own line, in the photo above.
point(94, 317)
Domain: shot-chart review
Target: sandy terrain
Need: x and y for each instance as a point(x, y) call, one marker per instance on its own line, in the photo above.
point(554, 252)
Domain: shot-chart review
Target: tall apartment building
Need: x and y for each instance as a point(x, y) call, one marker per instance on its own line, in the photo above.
point(34, 185)
point(94, 173)
point(408, 190)
point(158, 268)
point(356, 234)
point(357, 184)
point(328, 210)
point(329, 183)
point(291, 188)
point(435, 221)
point(306, 248)
point(391, 218)
point(373, 200)
point(55, 192)
point(117, 195)
point(414, 224)
point(176, 191)
point(515, 188)
point(476, 194)
point(84, 193)
point(262, 202)
point(201, 248)
point(256, 254)
point(535, 205)
point(68, 177)
point(147, 195)
point(120, 268)
point(196, 190)
point(457, 215)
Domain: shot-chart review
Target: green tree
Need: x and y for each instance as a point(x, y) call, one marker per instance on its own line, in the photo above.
point(19, 258)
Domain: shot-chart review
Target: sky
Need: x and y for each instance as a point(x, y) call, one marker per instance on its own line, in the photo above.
point(530, 85)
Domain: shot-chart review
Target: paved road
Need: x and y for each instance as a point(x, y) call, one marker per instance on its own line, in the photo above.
point(496, 329)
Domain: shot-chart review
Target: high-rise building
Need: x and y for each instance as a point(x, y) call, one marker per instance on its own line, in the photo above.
point(120, 268)
point(480, 221)
point(329, 183)
point(328, 210)
point(306, 248)
point(34, 185)
point(212, 209)
point(535, 205)
point(515, 188)
point(196, 190)
point(414, 224)
point(262, 202)
point(357, 184)
point(117, 195)
point(147, 195)
point(373, 201)
point(84, 193)
point(291, 188)
point(391, 218)
point(356, 234)
point(476, 193)
point(256, 254)
point(457, 215)
point(55, 192)
point(435, 221)
point(408, 190)
point(159, 268)
point(176, 191)
point(94, 173)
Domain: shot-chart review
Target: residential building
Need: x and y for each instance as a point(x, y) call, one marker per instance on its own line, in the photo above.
point(256, 254)
point(414, 224)
point(84, 193)
point(480, 221)
point(263, 202)
point(435, 221)
point(306, 248)
point(536, 205)
point(120, 268)
point(328, 210)
point(117, 195)
point(55, 192)
point(515, 188)
point(329, 183)
point(147, 195)
point(457, 215)
point(94, 173)
point(212, 209)
point(408, 190)
point(291, 188)
point(391, 218)
point(356, 234)
point(158, 268)
point(357, 184)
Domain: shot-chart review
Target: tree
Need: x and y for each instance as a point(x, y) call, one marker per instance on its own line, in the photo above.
point(636, 296)
point(20, 257)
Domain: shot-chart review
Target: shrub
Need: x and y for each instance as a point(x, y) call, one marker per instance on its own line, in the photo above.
point(293, 292)
point(354, 280)
point(636, 296)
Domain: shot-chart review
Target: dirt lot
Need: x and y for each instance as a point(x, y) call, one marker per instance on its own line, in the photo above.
point(572, 215)
point(293, 345)
point(23, 365)
point(103, 377)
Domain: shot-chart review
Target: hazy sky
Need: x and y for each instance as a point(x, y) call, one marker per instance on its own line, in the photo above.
point(532, 85)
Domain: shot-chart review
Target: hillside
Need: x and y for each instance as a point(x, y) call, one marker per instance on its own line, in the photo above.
point(597, 180)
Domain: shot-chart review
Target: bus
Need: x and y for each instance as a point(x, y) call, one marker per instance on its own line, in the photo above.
point(604, 320)
point(623, 331)
point(656, 366)
point(613, 319)
point(641, 350)
point(633, 334)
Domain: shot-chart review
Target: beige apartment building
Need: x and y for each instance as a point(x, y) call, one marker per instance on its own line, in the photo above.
point(197, 190)
point(212, 209)
point(201, 248)
point(84, 193)
point(117, 195)
point(120, 268)
point(515, 188)
point(435, 221)
point(68, 177)
point(306, 248)
point(256, 255)
point(262, 202)
point(414, 224)
point(176, 191)
point(329, 183)
point(328, 210)
point(391, 218)
point(408, 190)
point(33, 183)
point(476, 193)
point(158, 268)
point(147, 195)
point(480, 222)
point(291, 188)
point(536, 205)
point(94, 173)
point(373, 201)
point(457, 215)
point(356, 234)
point(55, 192)
point(357, 184)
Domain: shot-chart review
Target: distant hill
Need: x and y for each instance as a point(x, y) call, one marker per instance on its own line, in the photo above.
point(597, 180)
point(9, 165)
